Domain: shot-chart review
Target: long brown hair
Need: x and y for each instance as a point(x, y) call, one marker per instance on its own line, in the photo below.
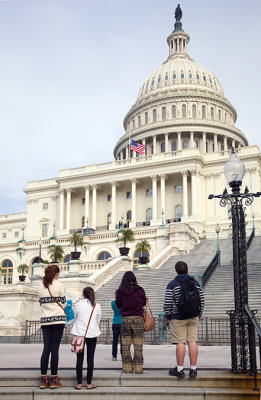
point(88, 293)
point(49, 274)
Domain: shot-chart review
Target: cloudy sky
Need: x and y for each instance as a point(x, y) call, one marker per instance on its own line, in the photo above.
point(71, 69)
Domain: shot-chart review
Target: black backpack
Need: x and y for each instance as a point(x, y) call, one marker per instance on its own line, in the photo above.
point(188, 304)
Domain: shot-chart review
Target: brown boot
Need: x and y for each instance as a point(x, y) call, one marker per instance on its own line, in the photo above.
point(44, 382)
point(55, 383)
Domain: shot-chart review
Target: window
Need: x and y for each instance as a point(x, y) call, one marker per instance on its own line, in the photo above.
point(146, 118)
point(16, 234)
point(212, 112)
point(3, 235)
point(139, 120)
point(108, 197)
point(154, 115)
point(178, 188)
point(162, 147)
point(44, 230)
point(83, 200)
point(67, 258)
point(190, 75)
point(148, 214)
point(184, 144)
point(159, 79)
point(148, 192)
point(83, 222)
point(184, 111)
point(129, 195)
point(204, 78)
point(174, 76)
point(6, 272)
point(109, 219)
point(104, 255)
point(203, 112)
point(163, 113)
point(128, 216)
point(194, 111)
point(178, 213)
point(136, 257)
point(166, 77)
point(45, 206)
point(173, 146)
point(174, 112)
point(133, 123)
point(196, 144)
point(219, 115)
point(182, 75)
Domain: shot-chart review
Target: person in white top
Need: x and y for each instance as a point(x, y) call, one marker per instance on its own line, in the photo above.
point(82, 312)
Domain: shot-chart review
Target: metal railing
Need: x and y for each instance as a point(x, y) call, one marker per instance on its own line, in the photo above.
point(253, 329)
point(203, 278)
point(212, 331)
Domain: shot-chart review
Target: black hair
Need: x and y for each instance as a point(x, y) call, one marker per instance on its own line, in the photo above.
point(88, 293)
point(128, 280)
point(181, 267)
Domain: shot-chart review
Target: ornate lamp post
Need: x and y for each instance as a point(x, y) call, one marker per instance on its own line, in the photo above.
point(253, 216)
point(240, 344)
point(217, 229)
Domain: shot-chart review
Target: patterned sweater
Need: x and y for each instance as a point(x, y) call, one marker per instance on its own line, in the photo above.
point(172, 297)
point(51, 313)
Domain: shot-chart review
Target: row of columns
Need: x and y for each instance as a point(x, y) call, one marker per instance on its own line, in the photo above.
point(179, 144)
point(92, 218)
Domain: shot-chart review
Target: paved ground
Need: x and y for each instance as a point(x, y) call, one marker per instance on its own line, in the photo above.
point(155, 357)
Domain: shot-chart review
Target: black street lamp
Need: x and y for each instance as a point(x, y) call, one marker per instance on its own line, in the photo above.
point(217, 229)
point(241, 350)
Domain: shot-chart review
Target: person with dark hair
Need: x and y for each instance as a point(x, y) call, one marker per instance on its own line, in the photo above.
point(116, 330)
point(131, 298)
point(86, 312)
point(53, 319)
point(183, 306)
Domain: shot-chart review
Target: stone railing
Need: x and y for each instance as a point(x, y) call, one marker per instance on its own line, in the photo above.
point(162, 257)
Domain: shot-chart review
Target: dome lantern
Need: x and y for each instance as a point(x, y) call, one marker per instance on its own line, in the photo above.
point(178, 40)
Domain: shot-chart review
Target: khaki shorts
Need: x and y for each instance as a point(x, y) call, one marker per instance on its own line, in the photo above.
point(184, 330)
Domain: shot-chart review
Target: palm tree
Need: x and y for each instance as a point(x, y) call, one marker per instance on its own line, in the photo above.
point(127, 235)
point(143, 247)
point(23, 268)
point(77, 240)
point(56, 253)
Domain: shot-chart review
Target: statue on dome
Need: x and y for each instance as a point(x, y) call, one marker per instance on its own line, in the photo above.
point(178, 13)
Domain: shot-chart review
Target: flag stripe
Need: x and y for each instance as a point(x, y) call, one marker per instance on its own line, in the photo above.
point(138, 147)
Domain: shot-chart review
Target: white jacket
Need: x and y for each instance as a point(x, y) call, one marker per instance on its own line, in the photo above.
point(82, 312)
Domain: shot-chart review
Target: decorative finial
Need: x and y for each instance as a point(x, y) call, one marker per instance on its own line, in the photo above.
point(178, 16)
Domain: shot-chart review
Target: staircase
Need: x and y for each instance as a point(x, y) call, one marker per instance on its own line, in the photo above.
point(113, 385)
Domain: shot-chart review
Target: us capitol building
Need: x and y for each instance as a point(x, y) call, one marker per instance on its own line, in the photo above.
point(188, 127)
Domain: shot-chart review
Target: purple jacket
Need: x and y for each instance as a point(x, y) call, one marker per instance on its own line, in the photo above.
point(132, 303)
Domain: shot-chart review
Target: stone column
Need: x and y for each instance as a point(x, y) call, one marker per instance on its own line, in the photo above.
point(204, 142)
point(193, 190)
point(215, 142)
point(154, 198)
point(185, 192)
point(94, 199)
point(191, 140)
point(68, 208)
point(166, 142)
point(225, 143)
point(87, 204)
point(163, 193)
point(233, 143)
point(127, 152)
point(113, 204)
point(61, 209)
point(133, 203)
point(179, 141)
point(154, 144)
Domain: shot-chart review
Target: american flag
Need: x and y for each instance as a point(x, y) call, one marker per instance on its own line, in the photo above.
point(138, 147)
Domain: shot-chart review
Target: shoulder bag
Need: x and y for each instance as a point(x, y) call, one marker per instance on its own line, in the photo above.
point(57, 302)
point(77, 343)
point(149, 320)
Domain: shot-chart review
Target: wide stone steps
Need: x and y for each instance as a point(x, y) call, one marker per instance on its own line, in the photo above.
point(113, 384)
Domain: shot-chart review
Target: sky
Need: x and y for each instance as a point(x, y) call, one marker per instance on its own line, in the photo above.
point(71, 69)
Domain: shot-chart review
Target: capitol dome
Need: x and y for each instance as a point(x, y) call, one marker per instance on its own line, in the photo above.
point(180, 104)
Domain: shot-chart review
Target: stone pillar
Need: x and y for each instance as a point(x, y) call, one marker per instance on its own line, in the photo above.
point(154, 198)
point(233, 143)
point(166, 142)
point(127, 152)
point(94, 200)
point(225, 143)
point(163, 193)
point(193, 190)
point(68, 208)
point(185, 192)
point(61, 209)
point(191, 140)
point(204, 142)
point(113, 204)
point(133, 203)
point(154, 144)
point(179, 141)
point(87, 204)
point(215, 142)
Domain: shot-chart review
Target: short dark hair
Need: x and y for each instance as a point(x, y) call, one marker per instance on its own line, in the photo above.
point(181, 267)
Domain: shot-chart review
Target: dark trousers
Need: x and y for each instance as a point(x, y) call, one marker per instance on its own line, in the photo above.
point(116, 331)
point(91, 345)
point(52, 336)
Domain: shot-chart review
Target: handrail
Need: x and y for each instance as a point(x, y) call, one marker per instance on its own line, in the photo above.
point(209, 270)
point(252, 342)
point(250, 238)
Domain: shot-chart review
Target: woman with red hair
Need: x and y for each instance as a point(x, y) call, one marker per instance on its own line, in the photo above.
point(53, 319)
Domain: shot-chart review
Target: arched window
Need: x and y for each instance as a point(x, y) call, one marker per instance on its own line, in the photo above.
point(212, 112)
point(203, 112)
point(154, 112)
point(162, 147)
point(146, 117)
point(225, 117)
point(194, 111)
point(109, 219)
point(104, 255)
point(173, 145)
point(148, 214)
point(6, 272)
point(174, 112)
point(184, 144)
point(133, 123)
point(137, 255)
point(67, 258)
point(178, 212)
point(139, 120)
point(184, 111)
point(163, 113)
point(219, 115)
point(128, 216)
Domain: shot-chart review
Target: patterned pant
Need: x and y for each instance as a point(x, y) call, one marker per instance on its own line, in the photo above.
point(132, 329)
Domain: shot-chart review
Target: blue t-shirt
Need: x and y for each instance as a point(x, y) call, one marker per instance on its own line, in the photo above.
point(117, 313)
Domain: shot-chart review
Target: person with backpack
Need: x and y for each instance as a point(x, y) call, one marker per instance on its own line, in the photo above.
point(183, 306)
